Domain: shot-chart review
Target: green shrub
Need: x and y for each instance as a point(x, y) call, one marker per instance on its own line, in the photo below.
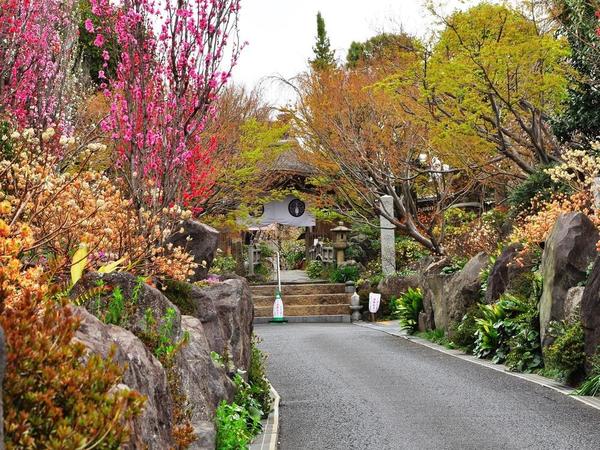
point(372, 273)
point(222, 265)
point(245, 399)
point(257, 378)
point(566, 353)
point(408, 251)
point(437, 336)
point(232, 430)
point(524, 353)
point(292, 253)
point(343, 274)
point(180, 294)
point(464, 334)
point(314, 269)
point(455, 265)
point(538, 186)
point(239, 422)
point(409, 305)
point(591, 386)
point(265, 250)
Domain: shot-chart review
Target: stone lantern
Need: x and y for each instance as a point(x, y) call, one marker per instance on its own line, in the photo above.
point(340, 242)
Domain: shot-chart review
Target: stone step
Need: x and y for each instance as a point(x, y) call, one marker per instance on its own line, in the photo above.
point(300, 289)
point(304, 310)
point(338, 318)
point(307, 299)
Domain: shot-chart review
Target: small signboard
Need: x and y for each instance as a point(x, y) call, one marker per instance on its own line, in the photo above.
point(374, 301)
point(278, 307)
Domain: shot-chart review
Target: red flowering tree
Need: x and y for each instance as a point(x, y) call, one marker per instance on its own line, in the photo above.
point(175, 57)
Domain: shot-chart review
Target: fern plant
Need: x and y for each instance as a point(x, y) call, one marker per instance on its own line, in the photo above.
point(408, 307)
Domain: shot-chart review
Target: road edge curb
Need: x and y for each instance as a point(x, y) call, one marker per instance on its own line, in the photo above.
point(548, 383)
point(269, 437)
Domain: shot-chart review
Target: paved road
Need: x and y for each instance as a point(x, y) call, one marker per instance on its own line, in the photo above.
point(348, 387)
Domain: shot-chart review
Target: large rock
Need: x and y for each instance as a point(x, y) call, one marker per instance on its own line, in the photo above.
point(143, 373)
point(446, 297)
point(504, 273)
point(435, 300)
point(573, 303)
point(590, 310)
point(2, 369)
point(568, 252)
point(395, 285)
point(200, 241)
point(226, 312)
point(140, 301)
point(464, 288)
point(203, 383)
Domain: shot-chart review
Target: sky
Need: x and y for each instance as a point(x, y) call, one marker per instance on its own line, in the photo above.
point(281, 34)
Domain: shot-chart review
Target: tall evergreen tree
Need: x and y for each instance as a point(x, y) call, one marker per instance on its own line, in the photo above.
point(324, 55)
point(579, 20)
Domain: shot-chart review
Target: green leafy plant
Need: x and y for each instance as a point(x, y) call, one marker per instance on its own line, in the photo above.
point(566, 353)
point(464, 334)
point(525, 353)
point(485, 274)
point(223, 265)
point(231, 423)
point(165, 335)
point(245, 398)
point(257, 378)
point(292, 253)
point(496, 326)
point(437, 336)
point(455, 265)
point(116, 308)
point(180, 294)
point(408, 251)
point(314, 269)
point(265, 250)
point(591, 386)
point(409, 305)
point(343, 274)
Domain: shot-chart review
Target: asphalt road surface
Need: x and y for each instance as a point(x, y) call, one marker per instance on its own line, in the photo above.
point(349, 387)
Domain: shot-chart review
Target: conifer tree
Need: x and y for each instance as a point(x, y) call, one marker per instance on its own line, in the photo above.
point(324, 55)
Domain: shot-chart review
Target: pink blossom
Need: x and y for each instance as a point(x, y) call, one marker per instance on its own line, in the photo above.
point(99, 41)
point(89, 26)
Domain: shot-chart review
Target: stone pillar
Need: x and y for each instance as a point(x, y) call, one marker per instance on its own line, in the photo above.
point(251, 260)
point(388, 238)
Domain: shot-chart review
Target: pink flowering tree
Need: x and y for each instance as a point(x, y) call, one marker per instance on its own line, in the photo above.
point(37, 48)
point(175, 57)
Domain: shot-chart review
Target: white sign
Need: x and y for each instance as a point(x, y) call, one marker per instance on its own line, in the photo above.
point(374, 301)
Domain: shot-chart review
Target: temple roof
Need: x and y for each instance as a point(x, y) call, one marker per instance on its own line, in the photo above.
point(289, 162)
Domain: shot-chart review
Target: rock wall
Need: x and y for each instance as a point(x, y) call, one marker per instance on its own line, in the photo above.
point(221, 322)
point(569, 250)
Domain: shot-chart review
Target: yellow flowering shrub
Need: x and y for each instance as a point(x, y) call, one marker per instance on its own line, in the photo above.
point(64, 208)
